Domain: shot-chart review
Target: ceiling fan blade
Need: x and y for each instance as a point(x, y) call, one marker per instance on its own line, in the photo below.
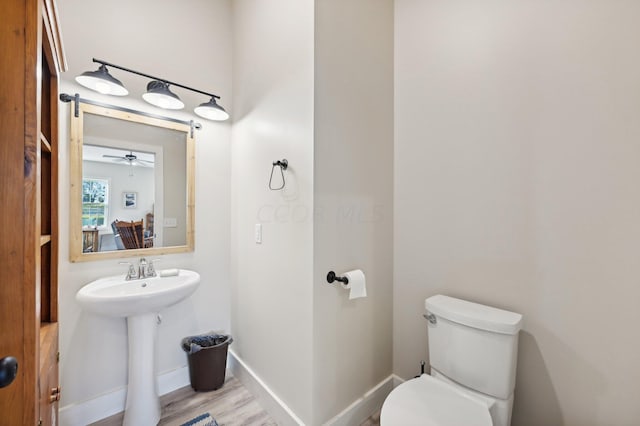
point(138, 163)
point(130, 158)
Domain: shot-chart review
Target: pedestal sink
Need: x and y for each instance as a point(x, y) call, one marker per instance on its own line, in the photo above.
point(139, 301)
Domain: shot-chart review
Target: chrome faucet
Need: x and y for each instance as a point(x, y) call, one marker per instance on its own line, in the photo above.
point(145, 270)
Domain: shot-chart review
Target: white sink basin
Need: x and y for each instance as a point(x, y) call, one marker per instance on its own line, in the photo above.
point(139, 301)
point(113, 296)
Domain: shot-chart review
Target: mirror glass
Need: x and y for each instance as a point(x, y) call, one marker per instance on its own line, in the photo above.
point(131, 189)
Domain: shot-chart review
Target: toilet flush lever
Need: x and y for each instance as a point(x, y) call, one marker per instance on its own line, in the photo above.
point(432, 318)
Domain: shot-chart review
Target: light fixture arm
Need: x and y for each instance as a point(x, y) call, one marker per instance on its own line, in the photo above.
point(98, 61)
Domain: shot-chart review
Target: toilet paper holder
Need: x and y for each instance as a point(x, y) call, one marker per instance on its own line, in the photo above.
point(331, 277)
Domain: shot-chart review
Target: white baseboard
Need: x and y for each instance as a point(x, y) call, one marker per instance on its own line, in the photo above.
point(108, 404)
point(397, 381)
point(354, 414)
point(280, 412)
point(365, 406)
point(92, 410)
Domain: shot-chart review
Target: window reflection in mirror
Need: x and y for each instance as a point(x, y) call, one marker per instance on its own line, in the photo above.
point(133, 179)
point(95, 202)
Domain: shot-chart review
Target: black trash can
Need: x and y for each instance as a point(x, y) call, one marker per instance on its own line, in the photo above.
point(207, 357)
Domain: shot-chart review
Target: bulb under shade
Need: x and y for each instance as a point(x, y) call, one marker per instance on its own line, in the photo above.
point(103, 88)
point(163, 101)
point(103, 82)
point(211, 111)
point(158, 94)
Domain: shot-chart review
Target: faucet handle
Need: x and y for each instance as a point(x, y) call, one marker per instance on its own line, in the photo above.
point(151, 270)
point(131, 273)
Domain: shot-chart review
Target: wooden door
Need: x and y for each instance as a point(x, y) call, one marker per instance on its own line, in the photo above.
point(13, 167)
point(30, 62)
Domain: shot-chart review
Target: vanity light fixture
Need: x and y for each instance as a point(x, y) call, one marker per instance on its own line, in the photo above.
point(103, 82)
point(211, 110)
point(158, 92)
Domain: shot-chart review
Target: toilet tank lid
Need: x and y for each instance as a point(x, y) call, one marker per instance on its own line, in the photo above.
point(474, 314)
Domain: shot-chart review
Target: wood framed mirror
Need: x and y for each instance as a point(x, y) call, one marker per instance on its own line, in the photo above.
point(132, 184)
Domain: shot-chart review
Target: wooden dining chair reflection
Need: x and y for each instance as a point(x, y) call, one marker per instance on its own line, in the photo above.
point(130, 233)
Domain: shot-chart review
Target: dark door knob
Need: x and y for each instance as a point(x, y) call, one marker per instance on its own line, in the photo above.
point(8, 370)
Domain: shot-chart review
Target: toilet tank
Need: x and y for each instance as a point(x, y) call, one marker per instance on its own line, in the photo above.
point(474, 345)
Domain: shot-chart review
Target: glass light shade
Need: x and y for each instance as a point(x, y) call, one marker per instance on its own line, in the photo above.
point(103, 82)
point(211, 111)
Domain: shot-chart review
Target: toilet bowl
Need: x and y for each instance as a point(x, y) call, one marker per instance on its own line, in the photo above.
point(427, 401)
point(472, 357)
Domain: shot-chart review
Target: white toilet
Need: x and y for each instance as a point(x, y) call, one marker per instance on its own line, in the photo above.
point(473, 351)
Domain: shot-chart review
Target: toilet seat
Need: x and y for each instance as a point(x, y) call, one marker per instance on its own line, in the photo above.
point(427, 401)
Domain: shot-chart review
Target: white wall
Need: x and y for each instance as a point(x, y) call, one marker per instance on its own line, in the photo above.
point(516, 186)
point(353, 190)
point(273, 119)
point(175, 195)
point(94, 349)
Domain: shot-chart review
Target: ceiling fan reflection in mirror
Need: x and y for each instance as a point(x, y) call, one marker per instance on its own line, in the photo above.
point(119, 156)
point(130, 158)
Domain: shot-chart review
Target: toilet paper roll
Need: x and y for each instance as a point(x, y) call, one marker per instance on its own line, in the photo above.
point(357, 285)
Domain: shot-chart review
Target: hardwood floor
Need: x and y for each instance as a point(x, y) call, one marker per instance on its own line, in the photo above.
point(231, 405)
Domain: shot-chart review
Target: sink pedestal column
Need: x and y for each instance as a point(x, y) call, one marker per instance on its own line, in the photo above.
point(143, 403)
